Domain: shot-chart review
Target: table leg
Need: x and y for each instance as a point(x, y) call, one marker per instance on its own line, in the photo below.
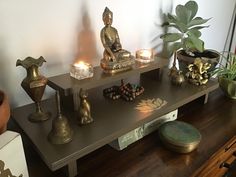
point(206, 98)
point(76, 98)
point(72, 169)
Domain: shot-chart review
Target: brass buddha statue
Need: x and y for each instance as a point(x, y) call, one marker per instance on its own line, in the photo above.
point(115, 58)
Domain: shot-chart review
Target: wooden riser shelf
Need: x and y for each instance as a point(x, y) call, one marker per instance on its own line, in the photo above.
point(65, 83)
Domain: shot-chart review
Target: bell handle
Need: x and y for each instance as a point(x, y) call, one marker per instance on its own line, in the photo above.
point(58, 103)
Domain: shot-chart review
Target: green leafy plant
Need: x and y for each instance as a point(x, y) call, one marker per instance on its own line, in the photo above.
point(188, 26)
point(227, 67)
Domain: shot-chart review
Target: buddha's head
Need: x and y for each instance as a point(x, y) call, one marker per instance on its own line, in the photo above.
point(107, 16)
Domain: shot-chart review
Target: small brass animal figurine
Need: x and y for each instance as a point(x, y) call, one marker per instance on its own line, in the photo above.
point(84, 108)
point(197, 72)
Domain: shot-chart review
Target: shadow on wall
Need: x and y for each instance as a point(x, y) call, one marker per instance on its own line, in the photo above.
point(86, 49)
point(155, 41)
point(9, 77)
point(54, 65)
point(4, 85)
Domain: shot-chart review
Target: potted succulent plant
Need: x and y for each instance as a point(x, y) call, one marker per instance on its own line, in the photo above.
point(185, 40)
point(4, 111)
point(227, 74)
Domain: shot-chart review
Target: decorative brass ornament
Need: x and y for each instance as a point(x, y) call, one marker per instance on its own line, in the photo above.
point(197, 72)
point(150, 105)
point(173, 70)
point(115, 59)
point(6, 172)
point(177, 78)
point(84, 108)
point(34, 84)
point(61, 132)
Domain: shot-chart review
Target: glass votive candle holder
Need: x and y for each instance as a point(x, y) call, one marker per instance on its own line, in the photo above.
point(144, 55)
point(81, 70)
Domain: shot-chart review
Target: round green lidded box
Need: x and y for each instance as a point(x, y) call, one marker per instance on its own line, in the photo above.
point(179, 136)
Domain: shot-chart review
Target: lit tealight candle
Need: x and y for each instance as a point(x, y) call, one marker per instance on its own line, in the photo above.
point(81, 65)
point(144, 55)
point(81, 70)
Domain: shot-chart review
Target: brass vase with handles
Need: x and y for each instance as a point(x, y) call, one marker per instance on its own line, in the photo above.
point(34, 84)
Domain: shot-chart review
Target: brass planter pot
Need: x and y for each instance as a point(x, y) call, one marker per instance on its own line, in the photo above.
point(4, 111)
point(228, 86)
point(210, 56)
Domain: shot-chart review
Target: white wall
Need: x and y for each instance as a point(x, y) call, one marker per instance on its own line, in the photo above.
point(63, 30)
point(233, 31)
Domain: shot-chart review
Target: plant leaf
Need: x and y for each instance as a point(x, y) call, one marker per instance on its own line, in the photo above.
point(197, 21)
point(199, 27)
point(175, 46)
point(188, 44)
point(173, 21)
point(171, 18)
point(195, 32)
point(182, 27)
point(171, 25)
point(165, 24)
point(171, 37)
point(227, 69)
point(183, 14)
point(192, 7)
point(198, 43)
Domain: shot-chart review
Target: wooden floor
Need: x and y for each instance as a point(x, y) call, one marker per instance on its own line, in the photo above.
point(216, 121)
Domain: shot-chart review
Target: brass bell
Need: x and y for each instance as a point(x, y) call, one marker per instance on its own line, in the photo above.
point(178, 78)
point(173, 70)
point(61, 132)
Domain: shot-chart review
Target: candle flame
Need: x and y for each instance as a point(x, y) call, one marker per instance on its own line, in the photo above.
point(81, 65)
point(146, 53)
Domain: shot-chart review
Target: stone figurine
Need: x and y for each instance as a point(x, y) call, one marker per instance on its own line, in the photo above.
point(115, 58)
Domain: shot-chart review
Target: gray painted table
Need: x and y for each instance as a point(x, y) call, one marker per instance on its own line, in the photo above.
point(111, 118)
